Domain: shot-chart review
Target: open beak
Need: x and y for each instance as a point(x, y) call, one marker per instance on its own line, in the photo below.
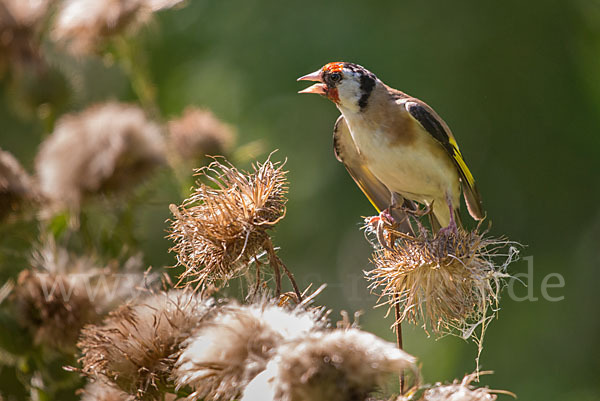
point(319, 89)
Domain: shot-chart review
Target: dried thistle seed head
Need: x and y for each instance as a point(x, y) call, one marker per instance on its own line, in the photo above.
point(62, 292)
point(198, 133)
point(449, 282)
point(134, 346)
point(101, 390)
point(460, 391)
point(82, 25)
point(341, 364)
point(53, 307)
point(20, 23)
point(108, 147)
point(230, 349)
point(22, 13)
point(218, 231)
point(15, 184)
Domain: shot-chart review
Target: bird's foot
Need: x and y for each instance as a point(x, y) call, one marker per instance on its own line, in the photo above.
point(379, 224)
point(384, 217)
point(450, 230)
point(416, 211)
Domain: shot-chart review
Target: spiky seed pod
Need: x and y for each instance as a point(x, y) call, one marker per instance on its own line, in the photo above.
point(135, 345)
point(460, 391)
point(218, 231)
point(101, 390)
point(198, 133)
point(107, 147)
point(450, 282)
point(233, 347)
point(15, 184)
point(341, 364)
point(63, 292)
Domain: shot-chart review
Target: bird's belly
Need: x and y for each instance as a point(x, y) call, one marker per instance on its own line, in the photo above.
point(420, 170)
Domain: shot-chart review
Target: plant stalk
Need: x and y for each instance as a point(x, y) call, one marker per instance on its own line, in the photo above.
point(399, 339)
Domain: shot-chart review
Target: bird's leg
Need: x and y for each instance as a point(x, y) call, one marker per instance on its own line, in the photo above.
point(383, 220)
point(452, 227)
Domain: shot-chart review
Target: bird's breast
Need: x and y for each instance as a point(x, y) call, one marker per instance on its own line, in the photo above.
point(405, 158)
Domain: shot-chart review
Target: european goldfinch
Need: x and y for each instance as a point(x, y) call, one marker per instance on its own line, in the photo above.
point(395, 146)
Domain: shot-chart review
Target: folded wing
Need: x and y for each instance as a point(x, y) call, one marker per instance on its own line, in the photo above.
point(347, 153)
point(436, 127)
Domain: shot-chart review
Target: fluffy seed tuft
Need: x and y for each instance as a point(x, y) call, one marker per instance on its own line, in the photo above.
point(218, 230)
point(233, 347)
point(135, 345)
point(108, 147)
point(341, 364)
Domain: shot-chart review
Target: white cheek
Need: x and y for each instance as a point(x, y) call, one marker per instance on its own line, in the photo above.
point(349, 93)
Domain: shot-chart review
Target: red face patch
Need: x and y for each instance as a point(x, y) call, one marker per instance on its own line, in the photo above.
point(333, 67)
point(333, 95)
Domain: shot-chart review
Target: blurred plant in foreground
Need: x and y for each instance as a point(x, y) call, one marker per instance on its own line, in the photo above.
point(133, 348)
point(63, 292)
point(111, 147)
point(83, 26)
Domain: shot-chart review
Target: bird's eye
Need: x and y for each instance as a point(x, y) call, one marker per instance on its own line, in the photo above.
point(335, 77)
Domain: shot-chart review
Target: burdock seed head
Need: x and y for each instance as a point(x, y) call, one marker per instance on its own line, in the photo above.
point(135, 345)
point(198, 133)
point(450, 282)
point(229, 350)
point(219, 229)
point(108, 147)
point(15, 185)
point(341, 364)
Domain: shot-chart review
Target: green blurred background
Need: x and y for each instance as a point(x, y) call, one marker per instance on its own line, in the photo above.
point(517, 81)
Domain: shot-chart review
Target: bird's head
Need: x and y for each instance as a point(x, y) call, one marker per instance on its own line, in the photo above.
point(348, 85)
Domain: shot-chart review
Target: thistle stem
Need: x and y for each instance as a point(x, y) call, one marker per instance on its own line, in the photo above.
point(135, 66)
point(399, 337)
point(277, 264)
point(397, 314)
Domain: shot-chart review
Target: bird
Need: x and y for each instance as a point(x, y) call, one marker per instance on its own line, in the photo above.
point(395, 146)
